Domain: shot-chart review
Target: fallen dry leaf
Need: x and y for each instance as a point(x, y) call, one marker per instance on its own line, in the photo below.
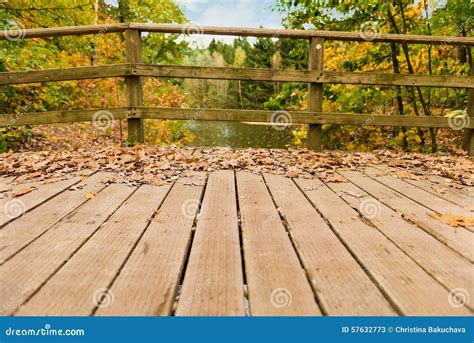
point(407, 175)
point(90, 195)
point(455, 220)
point(336, 178)
point(23, 191)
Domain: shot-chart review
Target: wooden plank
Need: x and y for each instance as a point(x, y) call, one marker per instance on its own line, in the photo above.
point(408, 286)
point(443, 264)
point(230, 31)
point(64, 74)
point(153, 271)
point(468, 139)
point(315, 92)
point(133, 69)
point(341, 285)
point(287, 75)
point(459, 240)
point(284, 33)
point(76, 289)
point(447, 193)
point(21, 232)
point(66, 116)
point(41, 259)
point(381, 120)
point(277, 284)
point(427, 199)
point(173, 113)
point(435, 181)
point(213, 282)
point(5, 180)
point(133, 52)
point(64, 31)
point(451, 185)
point(298, 117)
point(42, 192)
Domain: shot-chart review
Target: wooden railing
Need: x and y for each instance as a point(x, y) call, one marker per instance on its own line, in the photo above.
point(133, 70)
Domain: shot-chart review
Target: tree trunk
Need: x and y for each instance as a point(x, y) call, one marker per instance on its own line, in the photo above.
point(401, 110)
point(424, 104)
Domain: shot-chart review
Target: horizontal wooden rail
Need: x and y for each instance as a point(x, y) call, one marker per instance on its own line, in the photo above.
point(227, 31)
point(294, 117)
point(65, 74)
point(285, 33)
point(213, 114)
point(288, 75)
point(64, 31)
point(249, 74)
point(53, 117)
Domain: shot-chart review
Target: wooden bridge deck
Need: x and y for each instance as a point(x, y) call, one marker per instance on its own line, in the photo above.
point(236, 243)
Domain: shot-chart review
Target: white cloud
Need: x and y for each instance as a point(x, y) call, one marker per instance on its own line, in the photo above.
point(230, 13)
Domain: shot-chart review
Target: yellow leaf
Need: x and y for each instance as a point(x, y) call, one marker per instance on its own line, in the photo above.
point(455, 220)
point(90, 195)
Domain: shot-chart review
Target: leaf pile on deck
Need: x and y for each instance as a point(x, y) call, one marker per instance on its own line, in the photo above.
point(145, 164)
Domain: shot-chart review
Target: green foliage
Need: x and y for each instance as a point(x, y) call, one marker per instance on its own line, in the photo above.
point(12, 138)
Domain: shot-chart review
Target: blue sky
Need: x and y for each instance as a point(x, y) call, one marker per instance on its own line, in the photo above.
point(243, 13)
point(230, 13)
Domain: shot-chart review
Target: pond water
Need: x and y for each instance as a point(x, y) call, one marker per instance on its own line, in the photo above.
point(239, 135)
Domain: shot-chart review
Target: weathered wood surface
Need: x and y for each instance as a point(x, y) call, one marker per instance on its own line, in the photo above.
point(315, 92)
point(133, 54)
point(154, 269)
point(22, 231)
point(229, 31)
point(213, 284)
point(314, 75)
point(342, 290)
point(277, 285)
point(64, 74)
point(211, 114)
point(403, 281)
point(40, 260)
point(252, 246)
point(15, 206)
point(67, 116)
point(83, 283)
point(446, 266)
point(458, 239)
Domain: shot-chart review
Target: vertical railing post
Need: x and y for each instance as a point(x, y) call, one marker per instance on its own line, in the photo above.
point(133, 52)
point(469, 133)
point(315, 91)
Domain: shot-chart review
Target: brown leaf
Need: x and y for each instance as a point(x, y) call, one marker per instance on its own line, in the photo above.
point(406, 175)
point(23, 191)
point(455, 220)
point(336, 178)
